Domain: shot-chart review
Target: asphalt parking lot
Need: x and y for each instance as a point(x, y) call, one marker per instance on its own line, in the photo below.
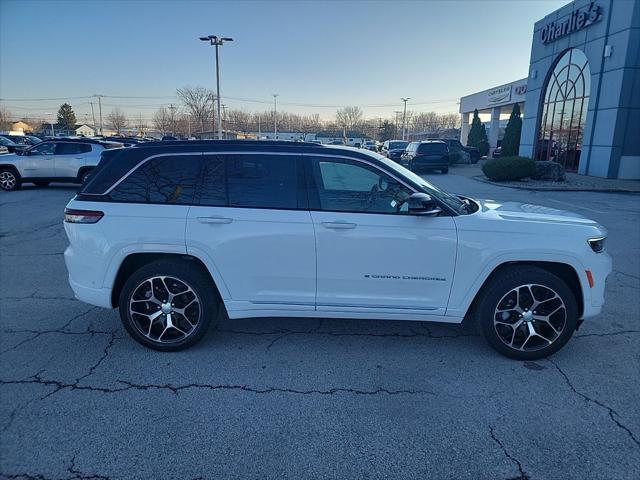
point(308, 398)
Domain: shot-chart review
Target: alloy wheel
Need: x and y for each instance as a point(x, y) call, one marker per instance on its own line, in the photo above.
point(7, 180)
point(165, 309)
point(530, 317)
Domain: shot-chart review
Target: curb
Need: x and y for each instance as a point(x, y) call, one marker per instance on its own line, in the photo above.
point(482, 179)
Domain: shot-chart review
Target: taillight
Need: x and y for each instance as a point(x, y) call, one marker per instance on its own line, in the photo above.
point(82, 216)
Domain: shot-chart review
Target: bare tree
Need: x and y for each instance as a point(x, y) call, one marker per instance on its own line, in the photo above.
point(239, 120)
point(5, 119)
point(199, 102)
point(161, 120)
point(349, 117)
point(117, 120)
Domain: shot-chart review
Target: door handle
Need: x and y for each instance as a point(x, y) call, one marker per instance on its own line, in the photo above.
point(215, 220)
point(339, 225)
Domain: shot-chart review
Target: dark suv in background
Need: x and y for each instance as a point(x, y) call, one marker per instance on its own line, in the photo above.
point(427, 155)
point(456, 147)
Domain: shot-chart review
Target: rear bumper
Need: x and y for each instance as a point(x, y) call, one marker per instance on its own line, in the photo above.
point(100, 297)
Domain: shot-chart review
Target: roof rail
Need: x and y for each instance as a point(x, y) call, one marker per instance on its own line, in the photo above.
point(247, 141)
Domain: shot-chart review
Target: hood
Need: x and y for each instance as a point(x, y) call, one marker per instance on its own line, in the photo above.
point(527, 212)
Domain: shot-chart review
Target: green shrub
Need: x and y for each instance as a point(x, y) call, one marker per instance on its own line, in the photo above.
point(509, 168)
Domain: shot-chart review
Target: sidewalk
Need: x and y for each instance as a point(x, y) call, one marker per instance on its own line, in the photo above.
point(574, 182)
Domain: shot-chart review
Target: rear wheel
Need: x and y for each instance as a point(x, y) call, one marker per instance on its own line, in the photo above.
point(84, 176)
point(9, 180)
point(41, 184)
point(527, 313)
point(445, 170)
point(168, 305)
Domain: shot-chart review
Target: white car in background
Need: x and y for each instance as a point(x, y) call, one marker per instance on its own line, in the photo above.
point(59, 160)
point(168, 233)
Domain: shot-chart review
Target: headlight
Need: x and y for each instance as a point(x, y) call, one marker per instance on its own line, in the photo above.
point(597, 244)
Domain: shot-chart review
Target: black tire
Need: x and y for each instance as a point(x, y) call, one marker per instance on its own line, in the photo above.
point(445, 170)
point(84, 176)
point(41, 184)
point(475, 157)
point(9, 180)
point(500, 288)
point(188, 274)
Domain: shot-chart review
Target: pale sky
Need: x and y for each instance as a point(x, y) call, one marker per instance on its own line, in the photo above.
point(318, 56)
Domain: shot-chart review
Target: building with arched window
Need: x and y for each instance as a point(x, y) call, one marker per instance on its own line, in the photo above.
point(581, 98)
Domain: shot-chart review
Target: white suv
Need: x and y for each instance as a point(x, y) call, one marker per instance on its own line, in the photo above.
point(168, 232)
point(61, 160)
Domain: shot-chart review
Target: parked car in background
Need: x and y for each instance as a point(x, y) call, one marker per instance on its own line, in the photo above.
point(497, 152)
point(427, 155)
point(393, 149)
point(126, 141)
point(22, 139)
point(60, 160)
point(370, 145)
point(456, 147)
point(336, 142)
point(170, 233)
point(3, 150)
point(11, 146)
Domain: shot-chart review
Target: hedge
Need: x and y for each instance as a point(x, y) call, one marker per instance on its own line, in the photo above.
point(509, 168)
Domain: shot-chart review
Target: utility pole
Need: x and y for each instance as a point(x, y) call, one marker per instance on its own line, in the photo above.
point(397, 112)
point(259, 132)
point(404, 118)
point(217, 41)
point(93, 115)
point(275, 116)
point(172, 109)
point(100, 110)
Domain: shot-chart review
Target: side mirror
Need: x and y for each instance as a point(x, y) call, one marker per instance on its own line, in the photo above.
point(423, 204)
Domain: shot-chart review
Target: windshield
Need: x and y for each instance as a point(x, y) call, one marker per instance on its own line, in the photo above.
point(398, 145)
point(445, 197)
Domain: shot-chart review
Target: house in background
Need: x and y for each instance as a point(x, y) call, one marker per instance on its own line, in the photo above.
point(21, 127)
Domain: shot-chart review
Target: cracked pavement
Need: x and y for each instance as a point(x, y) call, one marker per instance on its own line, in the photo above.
point(308, 398)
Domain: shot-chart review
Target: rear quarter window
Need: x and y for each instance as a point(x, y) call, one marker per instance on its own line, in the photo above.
point(170, 180)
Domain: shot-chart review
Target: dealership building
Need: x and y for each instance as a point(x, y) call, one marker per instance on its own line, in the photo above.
point(581, 98)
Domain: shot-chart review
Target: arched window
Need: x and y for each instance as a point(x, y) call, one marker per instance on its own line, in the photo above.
point(564, 110)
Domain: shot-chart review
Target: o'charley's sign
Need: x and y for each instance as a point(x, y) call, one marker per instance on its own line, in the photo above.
point(578, 20)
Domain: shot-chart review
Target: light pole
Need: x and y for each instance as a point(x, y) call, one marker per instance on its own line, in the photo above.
point(404, 117)
point(275, 116)
point(217, 41)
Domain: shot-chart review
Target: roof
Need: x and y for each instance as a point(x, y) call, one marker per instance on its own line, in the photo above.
point(127, 158)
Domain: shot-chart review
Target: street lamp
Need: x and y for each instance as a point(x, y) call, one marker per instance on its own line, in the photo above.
point(275, 116)
point(217, 41)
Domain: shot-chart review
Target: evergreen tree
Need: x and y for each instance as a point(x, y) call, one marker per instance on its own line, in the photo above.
point(387, 131)
point(511, 140)
point(66, 117)
point(478, 135)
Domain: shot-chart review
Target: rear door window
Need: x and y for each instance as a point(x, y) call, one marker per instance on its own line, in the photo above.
point(168, 179)
point(72, 148)
point(262, 181)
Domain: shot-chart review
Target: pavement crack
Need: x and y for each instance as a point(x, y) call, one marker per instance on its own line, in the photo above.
point(612, 413)
point(522, 474)
point(607, 334)
point(62, 330)
point(127, 386)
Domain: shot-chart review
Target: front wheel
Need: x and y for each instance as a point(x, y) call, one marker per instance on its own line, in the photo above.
point(445, 170)
point(85, 176)
point(9, 180)
point(168, 305)
point(527, 313)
